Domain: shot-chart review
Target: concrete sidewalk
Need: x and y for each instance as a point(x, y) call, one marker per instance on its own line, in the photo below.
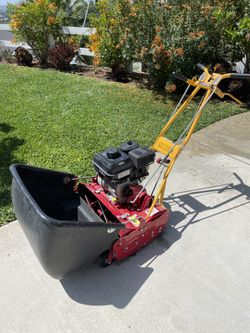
point(194, 279)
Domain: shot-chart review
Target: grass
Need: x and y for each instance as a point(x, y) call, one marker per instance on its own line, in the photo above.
point(57, 120)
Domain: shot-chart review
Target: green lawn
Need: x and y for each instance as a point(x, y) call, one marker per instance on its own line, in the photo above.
point(57, 120)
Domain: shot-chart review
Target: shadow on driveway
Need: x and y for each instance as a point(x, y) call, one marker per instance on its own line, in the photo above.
point(116, 284)
point(120, 282)
point(191, 202)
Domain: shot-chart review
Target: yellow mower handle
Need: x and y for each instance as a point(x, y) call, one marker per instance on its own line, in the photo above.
point(209, 83)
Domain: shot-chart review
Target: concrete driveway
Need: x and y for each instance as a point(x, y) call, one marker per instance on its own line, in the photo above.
point(195, 278)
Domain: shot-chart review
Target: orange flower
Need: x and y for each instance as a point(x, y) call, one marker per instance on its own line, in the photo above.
point(180, 51)
point(96, 61)
point(196, 34)
point(206, 9)
point(15, 24)
point(158, 28)
point(202, 45)
point(52, 6)
point(73, 42)
point(144, 50)
point(94, 42)
point(93, 46)
point(157, 40)
point(200, 33)
point(40, 2)
point(14, 17)
point(186, 6)
point(192, 35)
point(170, 88)
point(51, 20)
point(133, 11)
point(113, 21)
point(94, 37)
point(168, 7)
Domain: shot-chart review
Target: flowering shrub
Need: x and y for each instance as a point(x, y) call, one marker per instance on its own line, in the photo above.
point(175, 36)
point(34, 22)
point(169, 35)
point(113, 41)
point(165, 36)
point(149, 32)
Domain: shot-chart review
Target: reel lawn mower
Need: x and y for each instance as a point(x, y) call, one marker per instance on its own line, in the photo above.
point(70, 222)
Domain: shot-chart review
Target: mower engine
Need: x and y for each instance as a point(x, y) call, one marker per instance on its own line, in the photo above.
point(121, 170)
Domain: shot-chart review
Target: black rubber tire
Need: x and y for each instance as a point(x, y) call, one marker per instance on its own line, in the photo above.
point(102, 259)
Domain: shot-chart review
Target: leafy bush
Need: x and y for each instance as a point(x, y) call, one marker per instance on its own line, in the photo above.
point(170, 35)
point(23, 57)
point(61, 55)
point(112, 42)
point(233, 19)
point(165, 36)
point(175, 36)
point(35, 22)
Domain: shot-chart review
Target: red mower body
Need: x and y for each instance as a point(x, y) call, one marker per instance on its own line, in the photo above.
point(138, 230)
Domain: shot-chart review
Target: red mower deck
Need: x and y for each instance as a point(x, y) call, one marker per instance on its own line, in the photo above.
point(138, 231)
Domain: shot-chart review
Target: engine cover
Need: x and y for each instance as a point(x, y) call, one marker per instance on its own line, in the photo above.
point(141, 157)
point(119, 169)
point(113, 163)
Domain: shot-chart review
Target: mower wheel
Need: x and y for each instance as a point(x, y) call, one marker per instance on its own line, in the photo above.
point(102, 259)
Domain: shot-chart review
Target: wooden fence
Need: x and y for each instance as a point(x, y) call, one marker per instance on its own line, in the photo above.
point(9, 45)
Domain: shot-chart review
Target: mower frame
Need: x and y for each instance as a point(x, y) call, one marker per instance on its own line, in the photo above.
point(209, 83)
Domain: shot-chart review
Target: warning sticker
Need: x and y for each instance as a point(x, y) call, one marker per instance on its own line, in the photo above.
point(134, 220)
point(154, 211)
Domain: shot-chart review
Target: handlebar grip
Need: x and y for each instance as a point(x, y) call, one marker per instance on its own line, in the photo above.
point(200, 66)
point(180, 77)
point(240, 76)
